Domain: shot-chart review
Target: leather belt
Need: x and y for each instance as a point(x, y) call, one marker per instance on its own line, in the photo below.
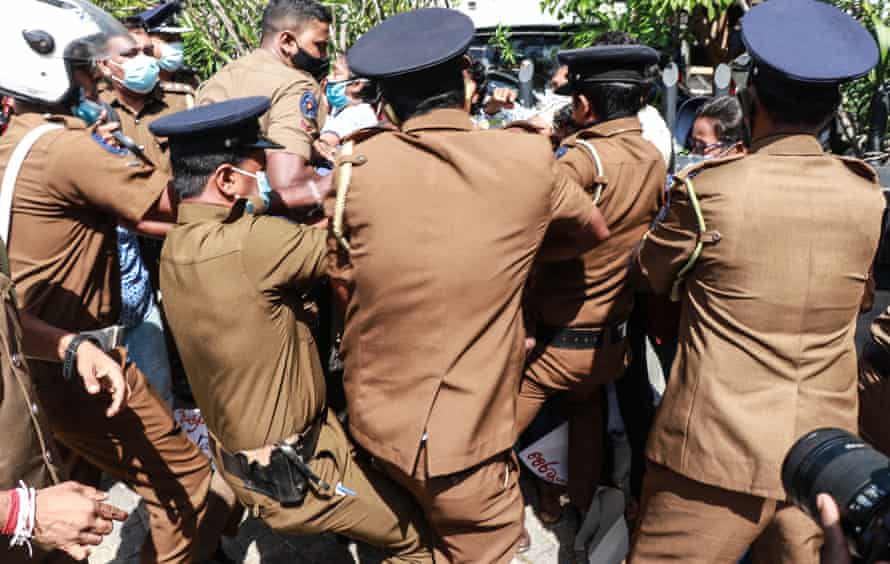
point(582, 339)
point(279, 471)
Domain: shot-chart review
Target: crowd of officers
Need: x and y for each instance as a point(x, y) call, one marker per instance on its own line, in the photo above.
point(473, 274)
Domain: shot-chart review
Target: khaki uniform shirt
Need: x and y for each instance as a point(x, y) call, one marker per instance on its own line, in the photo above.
point(135, 125)
point(232, 289)
point(296, 112)
point(70, 194)
point(444, 223)
point(592, 290)
point(26, 445)
point(766, 351)
point(181, 91)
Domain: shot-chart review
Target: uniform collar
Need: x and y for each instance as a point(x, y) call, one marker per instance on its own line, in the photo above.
point(612, 127)
point(797, 144)
point(154, 98)
point(195, 212)
point(454, 119)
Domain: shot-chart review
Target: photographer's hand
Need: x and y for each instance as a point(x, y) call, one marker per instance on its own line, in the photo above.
point(834, 550)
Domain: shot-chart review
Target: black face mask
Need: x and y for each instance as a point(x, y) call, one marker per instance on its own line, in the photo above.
point(318, 67)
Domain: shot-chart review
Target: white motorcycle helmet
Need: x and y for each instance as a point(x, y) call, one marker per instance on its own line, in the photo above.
point(43, 40)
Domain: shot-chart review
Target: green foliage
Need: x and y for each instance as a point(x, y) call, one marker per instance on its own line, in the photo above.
point(650, 21)
point(501, 41)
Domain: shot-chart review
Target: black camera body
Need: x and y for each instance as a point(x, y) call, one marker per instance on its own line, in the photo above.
point(857, 476)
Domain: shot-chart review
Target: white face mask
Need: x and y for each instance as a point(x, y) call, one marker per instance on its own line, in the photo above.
point(172, 56)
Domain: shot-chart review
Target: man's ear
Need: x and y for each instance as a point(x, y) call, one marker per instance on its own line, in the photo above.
point(585, 106)
point(286, 41)
point(223, 180)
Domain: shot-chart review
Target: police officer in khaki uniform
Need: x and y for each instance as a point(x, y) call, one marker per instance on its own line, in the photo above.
point(66, 198)
point(134, 96)
point(433, 232)
point(178, 82)
point(232, 284)
point(69, 517)
point(874, 389)
point(287, 68)
point(769, 254)
point(579, 308)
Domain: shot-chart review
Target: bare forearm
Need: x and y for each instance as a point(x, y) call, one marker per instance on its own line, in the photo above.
point(42, 340)
point(295, 182)
point(151, 228)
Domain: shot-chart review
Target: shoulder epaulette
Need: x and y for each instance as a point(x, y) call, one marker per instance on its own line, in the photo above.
point(693, 169)
point(177, 88)
point(365, 134)
point(860, 167)
point(522, 126)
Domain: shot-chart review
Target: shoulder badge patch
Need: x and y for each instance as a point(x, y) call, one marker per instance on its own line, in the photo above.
point(560, 153)
point(309, 105)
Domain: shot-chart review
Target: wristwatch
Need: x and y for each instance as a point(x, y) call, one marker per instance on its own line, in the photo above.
point(71, 353)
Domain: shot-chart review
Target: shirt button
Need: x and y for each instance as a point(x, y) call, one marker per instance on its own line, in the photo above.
point(48, 457)
point(17, 360)
point(137, 122)
point(34, 408)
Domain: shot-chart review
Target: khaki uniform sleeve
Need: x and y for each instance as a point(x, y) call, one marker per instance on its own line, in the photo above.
point(279, 254)
point(89, 173)
point(294, 118)
point(570, 206)
point(666, 248)
point(577, 164)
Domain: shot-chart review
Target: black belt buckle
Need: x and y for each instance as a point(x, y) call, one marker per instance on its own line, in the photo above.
point(582, 339)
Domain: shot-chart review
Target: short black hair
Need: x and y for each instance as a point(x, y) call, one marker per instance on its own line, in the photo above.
point(799, 107)
point(293, 14)
point(422, 92)
point(728, 117)
point(191, 172)
point(614, 100)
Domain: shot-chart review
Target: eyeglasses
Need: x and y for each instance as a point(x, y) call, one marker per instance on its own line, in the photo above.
point(700, 148)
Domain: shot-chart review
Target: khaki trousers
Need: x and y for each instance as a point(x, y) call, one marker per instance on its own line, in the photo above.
point(874, 402)
point(581, 374)
point(682, 520)
point(476, 514)
point(143, 447)
point(379, 513)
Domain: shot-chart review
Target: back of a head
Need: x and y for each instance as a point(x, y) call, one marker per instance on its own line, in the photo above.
point(802, 51)
point(727, 116)
point(418, 59)
point(293, 15)
point(614, 100)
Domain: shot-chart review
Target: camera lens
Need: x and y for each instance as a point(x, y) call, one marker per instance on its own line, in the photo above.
point(857, 476)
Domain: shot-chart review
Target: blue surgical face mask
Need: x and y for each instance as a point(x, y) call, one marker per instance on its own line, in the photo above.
point(172, 56)
point(87, 110)
point(336, 94)
point(140, 73)
point(262, 181)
